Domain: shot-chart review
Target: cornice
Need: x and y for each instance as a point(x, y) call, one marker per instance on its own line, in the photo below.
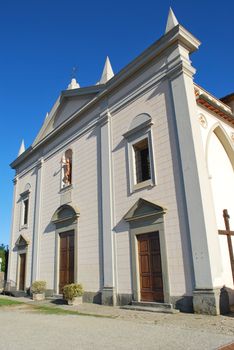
point(213, 104)
point(177, 36)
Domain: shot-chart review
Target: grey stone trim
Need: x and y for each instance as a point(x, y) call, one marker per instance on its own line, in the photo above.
point(206, 301)
point(132, 139)
point(124, 299)
point(92, 297)
point(65, 212)
point(142, 209)
point(146, 224)
point(21, 250)
point(109, 296)
point(139, 128)
point(64, 226)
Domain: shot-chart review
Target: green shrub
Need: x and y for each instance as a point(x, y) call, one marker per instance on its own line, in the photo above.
point(38, 287)
point(70, 291)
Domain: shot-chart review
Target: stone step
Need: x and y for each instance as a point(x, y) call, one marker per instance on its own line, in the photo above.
point(152, 304)
point(18, 293)
point(150, 309)
point(55, 297)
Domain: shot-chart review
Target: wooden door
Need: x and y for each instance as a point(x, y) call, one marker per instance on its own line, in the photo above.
point(151, 281)
point(22, 267)
point(66, 261)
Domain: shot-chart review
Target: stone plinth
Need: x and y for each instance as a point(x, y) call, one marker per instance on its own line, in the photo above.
point(206, 301)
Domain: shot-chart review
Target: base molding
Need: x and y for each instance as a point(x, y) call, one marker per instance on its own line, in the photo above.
point(207, 301)
point(109, 296)
point(92, 297)
point(183, 303)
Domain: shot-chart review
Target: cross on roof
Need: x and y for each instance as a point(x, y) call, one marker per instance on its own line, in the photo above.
point(228, 233)
point(74, 71)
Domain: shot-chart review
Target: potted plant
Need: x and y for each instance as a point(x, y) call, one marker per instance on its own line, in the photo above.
point(73, 293)
point(38, 290)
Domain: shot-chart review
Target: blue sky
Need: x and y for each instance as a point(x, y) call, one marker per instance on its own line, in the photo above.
point(42, 40)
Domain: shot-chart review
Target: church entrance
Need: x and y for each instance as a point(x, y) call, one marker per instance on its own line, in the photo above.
point(151, 282)
point(66, 261)
point(22, 267)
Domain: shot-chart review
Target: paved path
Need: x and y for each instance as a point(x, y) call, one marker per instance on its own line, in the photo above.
point(22, 328)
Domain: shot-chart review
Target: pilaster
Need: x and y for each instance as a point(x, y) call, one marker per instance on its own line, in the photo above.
point(36, 222)
point(108, 292)
point(15, 181)
point(196, 186)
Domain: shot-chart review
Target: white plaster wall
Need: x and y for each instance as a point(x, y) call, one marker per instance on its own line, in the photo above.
point(222, 179)
point(220, 173)
point(84, 196)
point(50, 201)
point(153, 103)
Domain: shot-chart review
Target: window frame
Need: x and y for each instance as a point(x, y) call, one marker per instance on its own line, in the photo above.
point(25, 196)
point(134, 136)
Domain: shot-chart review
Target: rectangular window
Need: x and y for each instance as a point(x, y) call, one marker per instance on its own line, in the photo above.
point(25, 211)
point(142, 161)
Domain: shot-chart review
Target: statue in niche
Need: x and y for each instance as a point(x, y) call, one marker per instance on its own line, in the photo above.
point(66, 169)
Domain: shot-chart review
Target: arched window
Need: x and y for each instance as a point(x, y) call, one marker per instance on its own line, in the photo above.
point(66, 168)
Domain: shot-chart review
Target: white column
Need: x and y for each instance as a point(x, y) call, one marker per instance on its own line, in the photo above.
point(108, 293)
point(36, 224)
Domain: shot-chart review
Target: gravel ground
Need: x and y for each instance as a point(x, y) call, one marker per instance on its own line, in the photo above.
point(23, 328)
point(29, 330)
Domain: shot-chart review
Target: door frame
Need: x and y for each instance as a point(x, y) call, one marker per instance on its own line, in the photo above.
point(147, 226)
point(19, 252)
point(65, 218)
point(71, 232)
point(59, 230)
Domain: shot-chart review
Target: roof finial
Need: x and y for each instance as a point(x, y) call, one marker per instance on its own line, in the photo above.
point(73, 84)
point(107, 73)
point(22, 148)
point(171, 21)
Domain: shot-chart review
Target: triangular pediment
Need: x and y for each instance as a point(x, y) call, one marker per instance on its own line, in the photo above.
point(22, 241)
point(68, 103)
point(142, 209)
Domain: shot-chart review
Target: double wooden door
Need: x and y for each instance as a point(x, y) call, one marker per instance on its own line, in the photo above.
point(66, 261)
point(150, 267)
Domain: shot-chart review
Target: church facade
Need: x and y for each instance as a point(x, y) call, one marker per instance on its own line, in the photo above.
point(128, 187)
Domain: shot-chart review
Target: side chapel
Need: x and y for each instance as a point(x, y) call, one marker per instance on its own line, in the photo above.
point(128, 187)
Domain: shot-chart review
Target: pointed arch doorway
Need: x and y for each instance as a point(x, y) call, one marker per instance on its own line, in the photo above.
point(65, 220)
